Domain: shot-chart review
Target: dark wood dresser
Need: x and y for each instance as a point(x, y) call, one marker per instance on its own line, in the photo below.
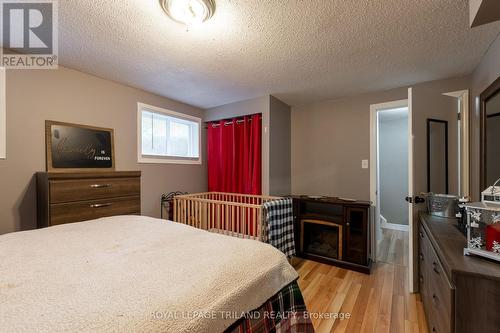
point(460, 293)
point(333, 231)
point(75, 197)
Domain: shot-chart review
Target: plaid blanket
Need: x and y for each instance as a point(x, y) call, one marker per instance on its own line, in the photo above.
point(285, 312)
point(278, 225)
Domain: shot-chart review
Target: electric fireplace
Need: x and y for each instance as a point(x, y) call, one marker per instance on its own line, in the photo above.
point(333, 231)
point(321, 238)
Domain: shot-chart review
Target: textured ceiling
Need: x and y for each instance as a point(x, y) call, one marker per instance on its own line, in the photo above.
point(298, 50)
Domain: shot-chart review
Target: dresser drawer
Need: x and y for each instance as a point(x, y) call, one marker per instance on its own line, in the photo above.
point(91, 189)
point(436, 291)
point(93, 209)
point(424, 286)
point(440, 294)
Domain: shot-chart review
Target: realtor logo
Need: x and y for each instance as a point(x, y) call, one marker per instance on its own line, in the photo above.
point(29, 34)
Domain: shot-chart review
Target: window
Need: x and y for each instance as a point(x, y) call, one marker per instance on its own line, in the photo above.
point(167, 137)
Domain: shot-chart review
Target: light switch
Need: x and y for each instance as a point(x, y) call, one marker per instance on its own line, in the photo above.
point(364, 164)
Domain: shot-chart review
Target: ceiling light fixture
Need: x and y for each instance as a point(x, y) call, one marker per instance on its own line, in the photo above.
point(189, 12)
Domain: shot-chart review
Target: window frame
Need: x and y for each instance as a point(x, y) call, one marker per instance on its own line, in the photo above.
point(163, 159)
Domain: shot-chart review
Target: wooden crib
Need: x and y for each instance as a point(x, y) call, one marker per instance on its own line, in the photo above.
point(237, 215)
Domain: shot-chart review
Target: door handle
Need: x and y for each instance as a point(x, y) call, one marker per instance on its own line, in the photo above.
point(419, 200)
point(416, 200)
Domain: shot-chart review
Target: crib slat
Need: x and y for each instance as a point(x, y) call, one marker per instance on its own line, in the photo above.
point(217, 219)
point(184, 207)
point(184, 212)
point(232, 218)
point(259, 224)
point(238, 214)
point(203, 215)
point(196, 214)
point(244, 221)
point(226, 217)
point(254, 222)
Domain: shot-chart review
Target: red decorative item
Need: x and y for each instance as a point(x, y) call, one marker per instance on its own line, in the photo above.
point(492, 234)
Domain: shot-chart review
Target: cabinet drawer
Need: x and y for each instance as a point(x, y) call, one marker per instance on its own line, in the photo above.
point(93, 209)
point(435, 289)
point(440, 294)
point(91, 189)
point(424, 286)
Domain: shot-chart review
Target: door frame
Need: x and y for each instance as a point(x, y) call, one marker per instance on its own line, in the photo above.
point(464, 143)
point(374, 176)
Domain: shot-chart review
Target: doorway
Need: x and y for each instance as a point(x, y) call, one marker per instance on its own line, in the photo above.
point(392, 158)
point(391, 183)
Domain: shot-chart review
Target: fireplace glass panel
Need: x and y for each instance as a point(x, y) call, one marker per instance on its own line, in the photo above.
point(321, 239)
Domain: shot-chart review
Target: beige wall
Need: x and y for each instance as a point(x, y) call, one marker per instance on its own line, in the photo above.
point(237, 109)
point(329, 139)
point(484, 74)
point(71, 96)
point(280, 182)
point(428, 102)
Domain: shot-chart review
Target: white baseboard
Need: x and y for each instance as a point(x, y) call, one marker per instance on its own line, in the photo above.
point(393, 226)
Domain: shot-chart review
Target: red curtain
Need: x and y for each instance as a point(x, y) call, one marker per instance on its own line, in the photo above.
point(234, 155)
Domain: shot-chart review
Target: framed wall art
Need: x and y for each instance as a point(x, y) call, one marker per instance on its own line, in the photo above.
point(75, 148)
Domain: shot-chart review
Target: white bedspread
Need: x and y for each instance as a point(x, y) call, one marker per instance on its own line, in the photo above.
point(132, 274)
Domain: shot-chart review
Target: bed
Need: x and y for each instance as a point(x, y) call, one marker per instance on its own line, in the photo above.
point(139, 274)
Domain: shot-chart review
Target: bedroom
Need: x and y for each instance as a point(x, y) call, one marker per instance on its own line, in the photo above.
point(312, 71)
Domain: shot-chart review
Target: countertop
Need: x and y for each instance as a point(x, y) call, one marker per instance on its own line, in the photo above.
point(333, 200)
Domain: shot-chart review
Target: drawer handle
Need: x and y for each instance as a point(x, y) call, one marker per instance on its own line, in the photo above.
point(435, 298)
point(421, 279)
point(434, 329)
point(100, 205)
point(101, 185)
point(421, 234)
point(421, 257)
point(434, 268)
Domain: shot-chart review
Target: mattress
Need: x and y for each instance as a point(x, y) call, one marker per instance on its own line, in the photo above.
point(133, 274)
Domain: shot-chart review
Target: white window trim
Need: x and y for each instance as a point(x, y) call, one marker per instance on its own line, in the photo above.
point(162, 159)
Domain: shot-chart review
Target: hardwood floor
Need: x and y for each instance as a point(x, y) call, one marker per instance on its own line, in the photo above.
point(393, 247)
point(378, 302)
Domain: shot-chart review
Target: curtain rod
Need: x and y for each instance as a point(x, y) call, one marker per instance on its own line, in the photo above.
point(229, 122)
